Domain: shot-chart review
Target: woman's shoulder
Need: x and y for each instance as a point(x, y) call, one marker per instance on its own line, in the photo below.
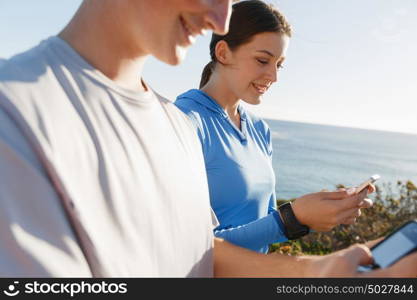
point(189, 104)
point(189, 101)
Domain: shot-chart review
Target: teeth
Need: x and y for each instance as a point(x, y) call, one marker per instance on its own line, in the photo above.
point(191, 36)
point(192, 39)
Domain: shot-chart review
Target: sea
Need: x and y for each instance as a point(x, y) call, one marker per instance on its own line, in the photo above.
point(308, 158)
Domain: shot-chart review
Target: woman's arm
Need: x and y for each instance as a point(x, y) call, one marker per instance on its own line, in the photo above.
point(257, 234)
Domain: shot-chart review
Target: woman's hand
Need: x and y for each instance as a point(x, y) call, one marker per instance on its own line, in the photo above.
point(324, 210)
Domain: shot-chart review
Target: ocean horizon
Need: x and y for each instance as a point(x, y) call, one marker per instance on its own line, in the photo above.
point(310, 157)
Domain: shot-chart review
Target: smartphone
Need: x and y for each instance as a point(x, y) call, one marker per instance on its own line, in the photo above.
point(398, 244)
point(365, 184)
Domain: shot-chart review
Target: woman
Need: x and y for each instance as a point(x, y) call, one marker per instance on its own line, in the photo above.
point(237, 145)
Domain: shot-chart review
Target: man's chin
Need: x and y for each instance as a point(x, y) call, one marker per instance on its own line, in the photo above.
point(174, 57)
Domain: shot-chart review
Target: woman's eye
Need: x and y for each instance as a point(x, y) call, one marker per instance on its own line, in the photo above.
point(264, 62)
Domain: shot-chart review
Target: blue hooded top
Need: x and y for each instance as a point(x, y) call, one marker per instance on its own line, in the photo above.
point(239, 172)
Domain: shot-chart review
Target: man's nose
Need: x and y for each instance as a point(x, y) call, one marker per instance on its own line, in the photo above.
point(219, 16)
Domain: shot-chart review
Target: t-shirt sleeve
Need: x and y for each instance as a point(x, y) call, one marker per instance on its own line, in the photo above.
point(28, 204)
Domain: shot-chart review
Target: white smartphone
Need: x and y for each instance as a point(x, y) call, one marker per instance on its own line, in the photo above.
point(365, 184)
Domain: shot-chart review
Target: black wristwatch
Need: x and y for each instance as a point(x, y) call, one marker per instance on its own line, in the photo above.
point(293, 229)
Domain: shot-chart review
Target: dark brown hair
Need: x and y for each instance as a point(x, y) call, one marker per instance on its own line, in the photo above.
point(248, 19)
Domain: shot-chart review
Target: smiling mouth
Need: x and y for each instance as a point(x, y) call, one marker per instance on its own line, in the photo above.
point(261, 89)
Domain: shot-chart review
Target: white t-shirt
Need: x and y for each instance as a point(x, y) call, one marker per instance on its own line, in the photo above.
point(129, 166)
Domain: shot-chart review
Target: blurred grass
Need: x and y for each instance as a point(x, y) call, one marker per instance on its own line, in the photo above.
point(394, 204)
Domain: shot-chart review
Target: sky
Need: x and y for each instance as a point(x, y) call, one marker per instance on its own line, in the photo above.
point(350, 63)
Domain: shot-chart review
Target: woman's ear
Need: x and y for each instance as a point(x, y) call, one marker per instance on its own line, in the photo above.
point(223, 52)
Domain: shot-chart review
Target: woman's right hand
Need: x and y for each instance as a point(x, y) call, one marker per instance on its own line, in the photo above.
point(324, 210)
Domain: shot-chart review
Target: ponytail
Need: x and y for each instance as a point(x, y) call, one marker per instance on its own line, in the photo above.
point(206, 74)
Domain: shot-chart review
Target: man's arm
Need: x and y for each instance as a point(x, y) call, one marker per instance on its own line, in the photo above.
point(233, 261)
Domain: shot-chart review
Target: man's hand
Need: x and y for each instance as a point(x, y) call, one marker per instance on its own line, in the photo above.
point(234, 261)
point(344, 263)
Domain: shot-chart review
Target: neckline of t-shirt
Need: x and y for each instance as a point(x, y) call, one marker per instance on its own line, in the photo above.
point(136, 97)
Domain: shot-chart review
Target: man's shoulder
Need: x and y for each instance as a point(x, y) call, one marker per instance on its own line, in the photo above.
point(176, 115)
point(20, 78)
point(28, 79)
point(24, 66)
point(23, 72)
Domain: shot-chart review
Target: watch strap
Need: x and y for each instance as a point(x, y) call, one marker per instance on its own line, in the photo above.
point(293, 229)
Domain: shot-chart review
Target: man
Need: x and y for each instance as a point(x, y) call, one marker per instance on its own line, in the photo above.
point(99, 176)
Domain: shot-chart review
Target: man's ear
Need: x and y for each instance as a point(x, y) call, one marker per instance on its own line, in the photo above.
point(223, 52)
